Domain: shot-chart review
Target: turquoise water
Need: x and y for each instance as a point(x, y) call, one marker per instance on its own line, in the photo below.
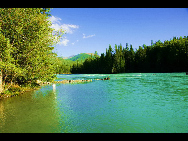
point(128, 102)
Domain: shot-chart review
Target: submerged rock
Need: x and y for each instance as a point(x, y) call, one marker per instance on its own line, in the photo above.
point(77, 81)
point(107, 78)
point(72, 81)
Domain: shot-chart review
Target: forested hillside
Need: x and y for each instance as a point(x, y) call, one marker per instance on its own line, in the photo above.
point(80, 57)
point(167, 56)
point(64, 66)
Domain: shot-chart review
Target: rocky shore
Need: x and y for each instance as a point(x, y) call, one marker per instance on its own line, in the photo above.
point(72, 81)
point(17, 90)
point(68, 81)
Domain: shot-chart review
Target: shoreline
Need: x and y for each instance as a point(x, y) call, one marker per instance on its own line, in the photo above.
point(18, 90)
point(21, 90)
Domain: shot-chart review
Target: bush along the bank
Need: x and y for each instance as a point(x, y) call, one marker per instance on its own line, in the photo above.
point(26, 40)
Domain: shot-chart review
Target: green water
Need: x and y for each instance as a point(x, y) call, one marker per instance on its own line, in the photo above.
point(130, 102)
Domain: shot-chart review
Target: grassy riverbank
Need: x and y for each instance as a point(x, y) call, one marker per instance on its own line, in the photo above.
point(15, 90)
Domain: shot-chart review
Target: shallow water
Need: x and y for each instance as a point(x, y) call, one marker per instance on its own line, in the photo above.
point(128, 102)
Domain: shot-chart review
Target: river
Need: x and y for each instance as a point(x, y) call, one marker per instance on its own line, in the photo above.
point(127, 103)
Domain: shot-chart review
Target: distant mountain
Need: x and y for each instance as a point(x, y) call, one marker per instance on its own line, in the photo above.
point(90, 53)
point(79, 57)
point(68, 57)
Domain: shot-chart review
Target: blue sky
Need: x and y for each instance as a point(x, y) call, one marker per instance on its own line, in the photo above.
point(93, 29)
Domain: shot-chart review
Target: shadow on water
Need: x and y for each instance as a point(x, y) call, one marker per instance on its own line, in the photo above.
point(31, 112)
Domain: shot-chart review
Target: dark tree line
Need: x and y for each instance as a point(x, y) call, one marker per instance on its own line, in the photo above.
point(167, 56)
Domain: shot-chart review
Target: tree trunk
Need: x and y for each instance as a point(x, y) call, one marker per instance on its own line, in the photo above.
point(1, 81)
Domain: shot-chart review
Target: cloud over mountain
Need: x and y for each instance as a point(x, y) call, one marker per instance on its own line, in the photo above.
point(68, 28)
point(56, 24)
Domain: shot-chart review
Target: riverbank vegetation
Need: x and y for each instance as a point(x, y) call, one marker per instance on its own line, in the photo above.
point(167, 56)
point(26, 50)
point(65, 66)
point(26, 44)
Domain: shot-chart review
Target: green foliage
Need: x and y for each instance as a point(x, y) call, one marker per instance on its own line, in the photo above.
point(170, 56)
point(62, 66)
point(67, 66)
point(26, 40)
point(80, 57)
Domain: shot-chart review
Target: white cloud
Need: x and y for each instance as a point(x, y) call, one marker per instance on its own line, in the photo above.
point(89, 36)
point(69, 28)
point(54, 19)
point(56, 24)
point(64, 42)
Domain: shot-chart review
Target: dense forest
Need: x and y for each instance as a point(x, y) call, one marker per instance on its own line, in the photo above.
point(64, 66)
point(167, 56)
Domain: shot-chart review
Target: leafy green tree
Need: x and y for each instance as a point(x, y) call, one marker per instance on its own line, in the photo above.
point(27, 37)
point(7, 62)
